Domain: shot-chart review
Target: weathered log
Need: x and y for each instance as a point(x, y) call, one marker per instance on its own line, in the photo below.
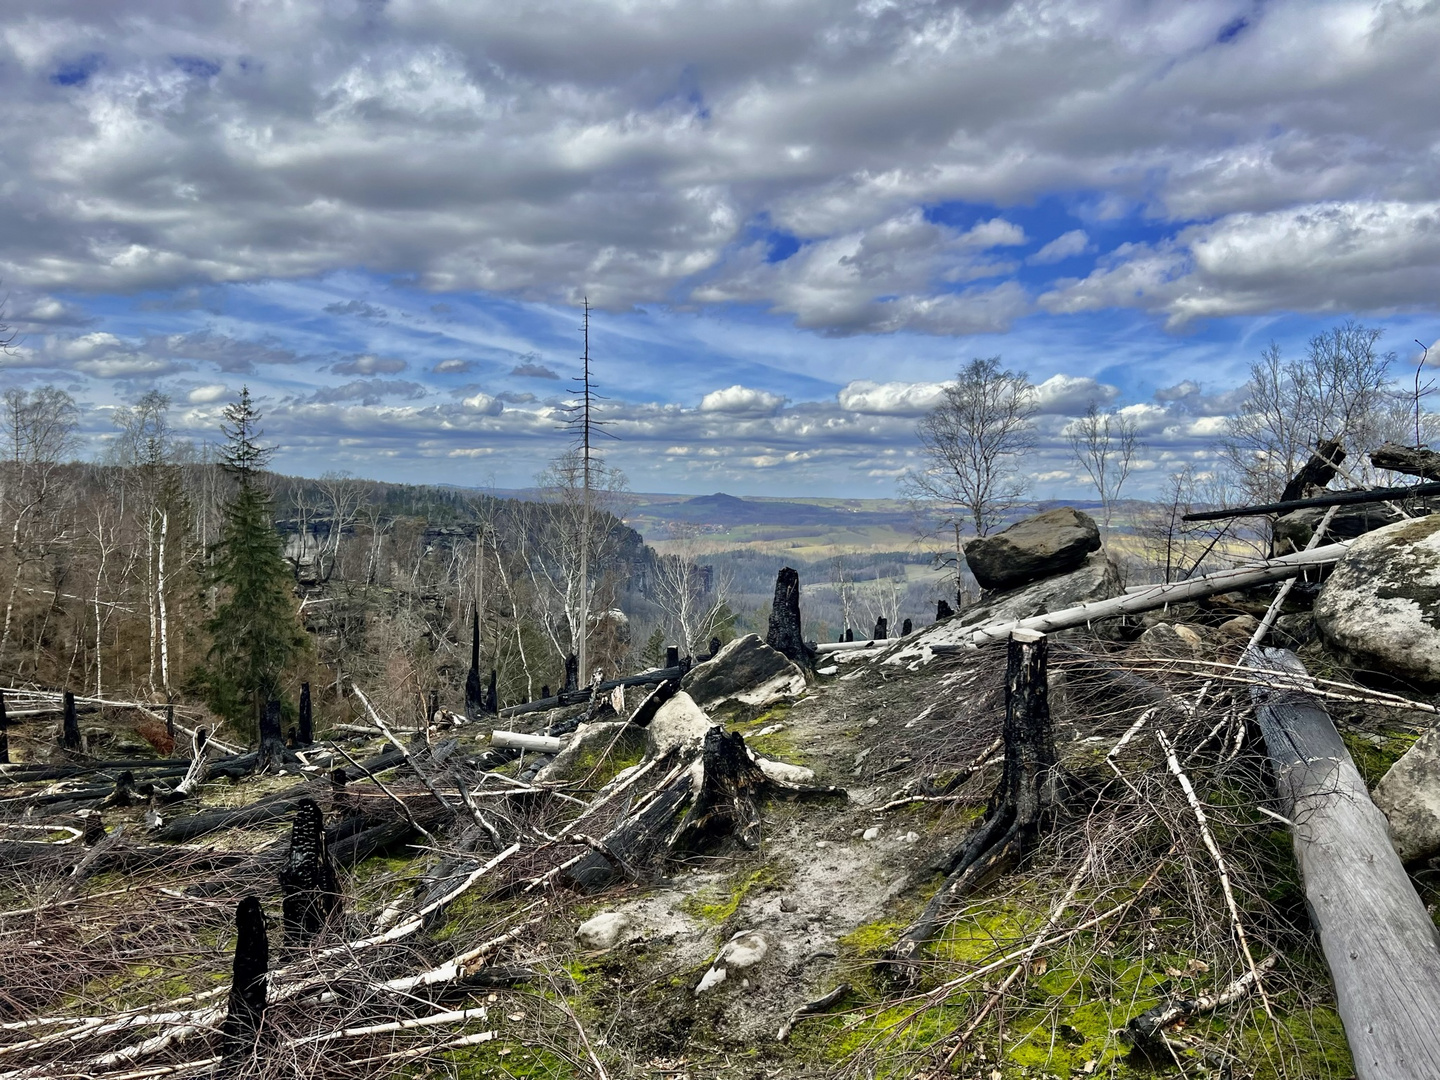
point(646, 710)
point(240, 1034)
point(784, 633)
point(69, 724)
point(1317, 472)
point(1377, 938)
point(1013, 817)
point(185, 829)
point(309, 889)
point(352, 850)
point(579, 697)
point(519, 740)
point(1411, 460)
point(1339, 498)
point(307, 718)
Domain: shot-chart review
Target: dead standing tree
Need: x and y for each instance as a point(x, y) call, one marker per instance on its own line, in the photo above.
point(1017, 806)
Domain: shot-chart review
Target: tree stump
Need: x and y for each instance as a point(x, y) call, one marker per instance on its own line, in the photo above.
point(714, 647)
point(272, 740)
point(544, 692)
point(906, 628)
point(432, 707)
point(1317, 472)
point(170, 720)
point(849, 635)
point(310, 890)
point(1016, 808)
point(882, 629)
point(492, 698)
point(306, 734)
point(70, 723)
point(240, 1034)
point(572, 674)
point(784, 633)
point(943, 610)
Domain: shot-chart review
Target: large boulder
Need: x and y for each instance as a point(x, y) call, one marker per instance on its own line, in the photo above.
point(1409, 795)
point(1380, 607)
point(746, 670)
point(1039, 547)
point(1097, 578)
point(1294, 530)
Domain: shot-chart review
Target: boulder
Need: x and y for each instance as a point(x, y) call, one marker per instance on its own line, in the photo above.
point(604, 931)
point(1380, 607)
point(1097, 578)
point(1293, 531)
point(1039, 547)
point(746, 670)
point(678, 723)
point(1409, 795)
point(1166, 642)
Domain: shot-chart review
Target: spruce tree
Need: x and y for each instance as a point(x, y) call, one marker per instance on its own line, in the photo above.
point(255, 633)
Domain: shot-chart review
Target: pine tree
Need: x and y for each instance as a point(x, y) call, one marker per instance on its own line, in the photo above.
point(255, 633)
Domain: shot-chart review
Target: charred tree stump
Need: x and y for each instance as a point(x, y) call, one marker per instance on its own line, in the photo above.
point(849, 635)
point(784, 631)
point(240, 1033)
point(714, 648)
point(672, 656)
point(728, 802)
point(492, 698)
point(943, 610)
point(572, 674)
point(882, 629)
point(1013, 817)
point(94, 828)
point(1317, 472)
point(432, 707)
point(907, 628)
point(272, 739)
point(474, 695)
point(306, 735)
point(544, 691)
point(309, 889)
point(4, 733)
point(69, 724)
point(170, 720)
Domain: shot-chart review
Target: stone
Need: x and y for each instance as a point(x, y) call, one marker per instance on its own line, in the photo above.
point(1293, 531)
point(1165, 642)
point(603, 931)
point(741, 952)
point(1409, 796)
point(872, 833)
point(678, 723)
point(1098, 578)
point(1241, 628)
point(748, 671)
point(784, 772)
point(1038, 547)
point(1380, 607)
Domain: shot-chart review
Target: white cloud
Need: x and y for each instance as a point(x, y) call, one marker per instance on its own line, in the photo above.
point(1065, 246)
point(1070, 395)
point(741, 400)
point(484, 404)
point(205, 395)
point(891, 399)
point(368, 364)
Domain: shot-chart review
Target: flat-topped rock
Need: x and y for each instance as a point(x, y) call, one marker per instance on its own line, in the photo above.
point(1036, 548)
point(746, 670)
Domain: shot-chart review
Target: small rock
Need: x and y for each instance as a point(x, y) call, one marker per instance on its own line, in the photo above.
point(744, 950)
point(829, 669)
point(604, 931)
point(1240, 628)
point(872, 833)
point(768, 729)
point(785, 772)
point(910, 838)
point(788, 904)
point(1409, 796)
point(822, 843)
point(872, 721)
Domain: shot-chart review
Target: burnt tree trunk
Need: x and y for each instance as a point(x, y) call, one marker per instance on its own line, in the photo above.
point(307, 716)
point(882, 629)
point(906, 628)
point(1013, 817)
point(572, 674)
point(728, 801)
point(170, 720)
point(4, 733)
point(432, 707)
point(474, 695)
point(310, 891)
point(943, 610)
point(1317, 472)
point(492, 698)
point(246, 1014)
point(784, 633)
point(1411, 460)
point(69, 724)
point(272, 739)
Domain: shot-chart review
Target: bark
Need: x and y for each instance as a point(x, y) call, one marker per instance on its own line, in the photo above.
point(1317, 472)
point(1014, 815)
point(245, 1017)
point(272, 740)
point(311, 893)
point(1411, 460)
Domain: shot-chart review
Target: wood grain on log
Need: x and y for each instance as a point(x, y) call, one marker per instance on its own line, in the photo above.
point(1411, 460)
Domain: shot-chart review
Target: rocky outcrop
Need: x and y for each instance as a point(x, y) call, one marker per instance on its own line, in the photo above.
point(1294, 530)
point(1039, 547)
point(746, 670)
point(1380, 607)
point(1409, 795)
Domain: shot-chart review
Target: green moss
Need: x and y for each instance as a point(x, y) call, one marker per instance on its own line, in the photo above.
point(871, 939)
point(507, 1059)
point(1374, 754)
point(715, 904)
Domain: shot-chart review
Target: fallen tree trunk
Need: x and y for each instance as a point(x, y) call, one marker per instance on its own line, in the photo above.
point(579, 697)
point(1338, 498)
point(1377, 938)
point(1411, 460)
point(1156, 596)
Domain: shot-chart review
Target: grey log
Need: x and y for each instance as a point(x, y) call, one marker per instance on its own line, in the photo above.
point(1377, 938)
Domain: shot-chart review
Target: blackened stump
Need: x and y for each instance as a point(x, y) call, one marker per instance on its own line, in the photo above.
point(170, 721)
point(849, 635)
point(572, 674)
point(307, 717)
point(474, 695)
point(1012, 819)
point(492, 698)
point(272, 739)
point(714, 647)
point(310, 891)
point(432, 707)
point(942, 610)
point(906, 628)
point(672, 656)
point(240, 1034)
point(784, 633)
point(70, 724)
point(1317, 472)
point(882, 629)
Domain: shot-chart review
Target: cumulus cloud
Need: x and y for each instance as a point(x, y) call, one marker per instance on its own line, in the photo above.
point(484, 404)
point(208, 395)
point(367, 391)
point(891, 399)
point(231, 355)
point(368, 364)
point(533, 370)
point(741, 400)
point(1069, 395)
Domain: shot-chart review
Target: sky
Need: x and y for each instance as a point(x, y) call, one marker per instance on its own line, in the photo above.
point(793, 220)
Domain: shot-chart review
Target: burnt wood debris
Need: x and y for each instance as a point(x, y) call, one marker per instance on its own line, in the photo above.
point(784, 633)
